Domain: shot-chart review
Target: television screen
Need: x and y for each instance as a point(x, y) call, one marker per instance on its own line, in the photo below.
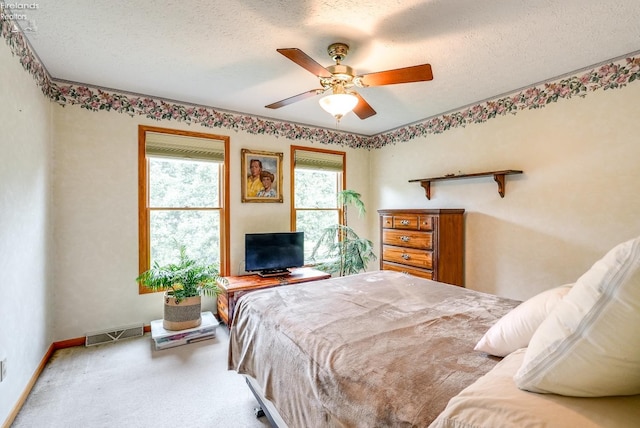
point(273, 253)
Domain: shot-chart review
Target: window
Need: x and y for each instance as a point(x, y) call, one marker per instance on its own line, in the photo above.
point(183, 197)
point(317, 177)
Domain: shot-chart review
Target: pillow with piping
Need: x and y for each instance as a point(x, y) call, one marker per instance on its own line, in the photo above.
point(589, 345)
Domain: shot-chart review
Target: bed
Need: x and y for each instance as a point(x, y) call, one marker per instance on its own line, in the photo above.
point(375, 349)
point(386, 349)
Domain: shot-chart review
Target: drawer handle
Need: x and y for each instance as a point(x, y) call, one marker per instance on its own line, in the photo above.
point(405, 238)
point(404, 222)
point(406, 256)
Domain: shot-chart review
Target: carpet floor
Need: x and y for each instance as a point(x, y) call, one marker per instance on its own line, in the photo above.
point(129, 384)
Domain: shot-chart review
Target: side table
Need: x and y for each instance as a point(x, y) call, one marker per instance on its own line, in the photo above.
point(235, 286)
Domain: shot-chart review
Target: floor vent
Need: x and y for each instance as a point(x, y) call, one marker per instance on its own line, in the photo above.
point(109, 336)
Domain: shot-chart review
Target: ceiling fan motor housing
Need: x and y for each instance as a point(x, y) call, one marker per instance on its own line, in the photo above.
point(338, 51)
point(341, 74)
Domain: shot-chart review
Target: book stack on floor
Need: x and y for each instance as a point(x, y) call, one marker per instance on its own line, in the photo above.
point(164, 339)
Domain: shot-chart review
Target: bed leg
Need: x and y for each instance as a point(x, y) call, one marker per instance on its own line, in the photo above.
point(258, 412)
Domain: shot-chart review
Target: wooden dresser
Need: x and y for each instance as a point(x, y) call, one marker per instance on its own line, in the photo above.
point(425, 243)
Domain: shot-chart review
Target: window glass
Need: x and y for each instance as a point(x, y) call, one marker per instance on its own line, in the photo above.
point(313, 223)
point(183, 183)
point(198, 230)
point(318, 176)
point(316, 189)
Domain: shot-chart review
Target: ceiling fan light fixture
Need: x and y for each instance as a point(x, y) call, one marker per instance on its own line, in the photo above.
point(337, 105)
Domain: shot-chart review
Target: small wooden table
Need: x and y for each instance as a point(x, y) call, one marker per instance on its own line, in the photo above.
point(236, 286)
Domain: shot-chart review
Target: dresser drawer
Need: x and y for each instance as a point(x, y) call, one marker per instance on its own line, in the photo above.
point(408, 256)
point(223, 308)
point(387, 221)
point(408, 222)
point(422, 273)
point(406, 238)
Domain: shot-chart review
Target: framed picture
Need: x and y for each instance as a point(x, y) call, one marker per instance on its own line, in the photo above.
point(261, 176)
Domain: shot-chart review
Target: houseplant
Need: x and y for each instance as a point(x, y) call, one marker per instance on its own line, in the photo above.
point(340, 250)
point(184, 283)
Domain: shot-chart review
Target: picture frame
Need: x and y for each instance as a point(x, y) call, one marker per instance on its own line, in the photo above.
point(268, 167)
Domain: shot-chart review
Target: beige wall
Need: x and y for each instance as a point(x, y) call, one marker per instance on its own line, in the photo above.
point(26, 287)
point(577, 198)
point(96, 214)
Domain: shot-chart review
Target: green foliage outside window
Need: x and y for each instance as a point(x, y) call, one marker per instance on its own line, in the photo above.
point(316, 204)
point(184, 202)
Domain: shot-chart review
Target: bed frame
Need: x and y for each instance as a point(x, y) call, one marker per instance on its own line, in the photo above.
point(266, 407)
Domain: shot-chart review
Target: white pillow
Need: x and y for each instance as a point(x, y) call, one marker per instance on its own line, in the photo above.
point(589, 345)
point(515, 329)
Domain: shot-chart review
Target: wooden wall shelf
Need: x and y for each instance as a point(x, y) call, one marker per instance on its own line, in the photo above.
point(498, 176)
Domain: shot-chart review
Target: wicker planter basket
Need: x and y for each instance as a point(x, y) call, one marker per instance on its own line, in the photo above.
point(183, 315)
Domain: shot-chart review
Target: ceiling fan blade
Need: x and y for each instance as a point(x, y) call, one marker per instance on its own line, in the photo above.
point(295, 98)
point(305, 61)
point(417, 73)
point(363, 110)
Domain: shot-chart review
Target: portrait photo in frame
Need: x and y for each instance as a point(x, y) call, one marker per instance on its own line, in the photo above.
point(261, 176)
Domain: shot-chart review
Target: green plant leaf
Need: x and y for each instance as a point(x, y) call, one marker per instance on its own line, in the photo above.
point(186, 278)
point(340, 250)
point(351, 197)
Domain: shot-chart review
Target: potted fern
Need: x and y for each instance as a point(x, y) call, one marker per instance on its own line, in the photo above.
point(340, 250)
point(184, 283)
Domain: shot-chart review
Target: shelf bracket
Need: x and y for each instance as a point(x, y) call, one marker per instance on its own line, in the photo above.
point(427, 188)
point(499, 178)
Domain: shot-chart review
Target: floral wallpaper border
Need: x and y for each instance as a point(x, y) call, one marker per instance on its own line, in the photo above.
point(613, 75)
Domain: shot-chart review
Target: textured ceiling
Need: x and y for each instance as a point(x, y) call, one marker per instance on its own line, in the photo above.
point(222, 53)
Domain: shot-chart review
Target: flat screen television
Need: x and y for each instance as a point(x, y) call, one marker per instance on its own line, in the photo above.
point(272, 254)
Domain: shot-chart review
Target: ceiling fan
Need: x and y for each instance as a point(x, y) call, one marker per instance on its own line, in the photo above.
point(340, 79)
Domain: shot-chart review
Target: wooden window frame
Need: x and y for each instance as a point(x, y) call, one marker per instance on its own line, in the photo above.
point(293, 181)
point(144, 244)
